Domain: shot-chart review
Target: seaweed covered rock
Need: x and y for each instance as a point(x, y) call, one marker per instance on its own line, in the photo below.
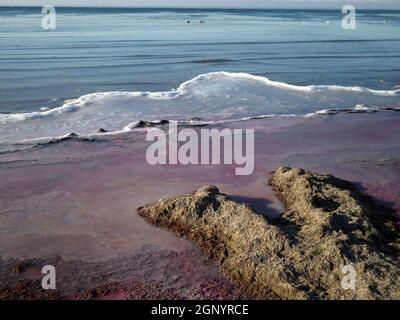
point(329, 232)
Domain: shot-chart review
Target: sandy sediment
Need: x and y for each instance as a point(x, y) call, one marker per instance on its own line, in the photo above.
point(329, 233)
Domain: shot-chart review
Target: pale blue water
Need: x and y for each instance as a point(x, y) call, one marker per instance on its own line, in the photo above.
point(98, 50)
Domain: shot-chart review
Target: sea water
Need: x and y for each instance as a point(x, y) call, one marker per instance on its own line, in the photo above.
point(109, 68)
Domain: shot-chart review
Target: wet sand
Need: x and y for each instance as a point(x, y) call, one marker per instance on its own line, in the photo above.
point(73, 204)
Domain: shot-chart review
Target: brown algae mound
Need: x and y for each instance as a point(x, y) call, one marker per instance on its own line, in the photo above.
point(332, 242)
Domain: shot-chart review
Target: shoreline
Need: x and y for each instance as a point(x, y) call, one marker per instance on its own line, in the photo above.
point(77, 199)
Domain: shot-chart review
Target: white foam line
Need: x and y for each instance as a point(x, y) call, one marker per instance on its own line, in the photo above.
point(359, 108)
point(130, 128)
point(183, 89)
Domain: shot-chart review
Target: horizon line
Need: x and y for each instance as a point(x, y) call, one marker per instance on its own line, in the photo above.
point(202, 8)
